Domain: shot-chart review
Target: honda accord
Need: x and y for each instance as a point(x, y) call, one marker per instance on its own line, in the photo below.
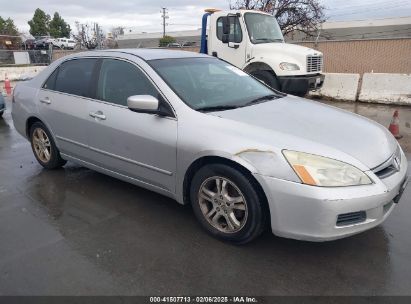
point(201, 131)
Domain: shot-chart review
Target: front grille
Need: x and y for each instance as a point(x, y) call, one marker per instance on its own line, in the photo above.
point(314, 63)
point(390, 166)
point(351, 218)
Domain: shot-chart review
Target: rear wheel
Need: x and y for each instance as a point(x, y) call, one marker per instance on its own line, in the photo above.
point(268, 78)
point(44, 148)
point(227, 204)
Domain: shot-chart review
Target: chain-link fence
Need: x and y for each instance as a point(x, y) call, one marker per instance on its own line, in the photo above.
point(25, 57)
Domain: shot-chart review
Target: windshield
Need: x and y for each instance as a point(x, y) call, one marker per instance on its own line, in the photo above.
point(209, 83)
point(263, 28)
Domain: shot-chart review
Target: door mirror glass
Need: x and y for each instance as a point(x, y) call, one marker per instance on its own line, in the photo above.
point(143, 103)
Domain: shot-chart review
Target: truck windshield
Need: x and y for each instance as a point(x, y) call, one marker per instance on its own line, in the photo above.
point(263, 28)
point(209, 84)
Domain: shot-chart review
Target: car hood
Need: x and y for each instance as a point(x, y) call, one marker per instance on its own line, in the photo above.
point(365, 140)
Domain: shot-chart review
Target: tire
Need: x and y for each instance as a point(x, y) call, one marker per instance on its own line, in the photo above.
point(41, 140)
point(268, 78)
point(214, 211)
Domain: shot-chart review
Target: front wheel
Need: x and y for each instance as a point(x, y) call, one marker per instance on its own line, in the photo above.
point(227, 204)
point(268, 78)
point(44, 148)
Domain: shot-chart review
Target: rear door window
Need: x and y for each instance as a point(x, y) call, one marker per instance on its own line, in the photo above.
point(51, 81)
point(75, 77)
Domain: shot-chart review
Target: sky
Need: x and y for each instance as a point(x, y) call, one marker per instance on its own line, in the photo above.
point(183, 14)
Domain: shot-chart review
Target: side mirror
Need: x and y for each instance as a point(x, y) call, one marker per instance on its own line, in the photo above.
point(226, 25)
point(143, 103)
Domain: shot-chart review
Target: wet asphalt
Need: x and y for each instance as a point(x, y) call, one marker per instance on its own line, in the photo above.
point(77, 232)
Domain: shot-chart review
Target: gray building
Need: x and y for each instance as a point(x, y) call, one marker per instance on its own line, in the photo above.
point(134, 39)
point(399, 27)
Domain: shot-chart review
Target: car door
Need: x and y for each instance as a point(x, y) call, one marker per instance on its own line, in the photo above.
point(140, 146)
point(63, 105)
point(233, 51)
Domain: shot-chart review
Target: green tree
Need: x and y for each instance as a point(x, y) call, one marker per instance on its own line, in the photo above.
point(166, 40)
point(7, 27)
point(39, 25)
point(10, 35)
point(58, 27)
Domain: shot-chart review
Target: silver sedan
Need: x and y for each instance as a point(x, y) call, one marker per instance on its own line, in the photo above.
point(204, 133)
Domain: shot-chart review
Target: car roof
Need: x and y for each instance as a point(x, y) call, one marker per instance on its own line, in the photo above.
point(146, 54)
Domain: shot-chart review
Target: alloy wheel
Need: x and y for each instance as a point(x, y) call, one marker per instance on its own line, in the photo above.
point(223, 205)
point(42, 145)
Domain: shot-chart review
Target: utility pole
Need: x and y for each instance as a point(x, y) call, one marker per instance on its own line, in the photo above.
point(164, 16)
point(98, 35)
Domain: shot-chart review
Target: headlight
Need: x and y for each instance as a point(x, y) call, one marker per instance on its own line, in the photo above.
point(288, 66)
point(325, 172)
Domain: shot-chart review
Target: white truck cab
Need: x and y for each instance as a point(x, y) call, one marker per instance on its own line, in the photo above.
point(253, 41)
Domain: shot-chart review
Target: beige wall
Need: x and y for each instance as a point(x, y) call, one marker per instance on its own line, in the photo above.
point(365, 56)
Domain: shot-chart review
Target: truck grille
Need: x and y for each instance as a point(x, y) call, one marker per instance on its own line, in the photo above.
point(314, 63)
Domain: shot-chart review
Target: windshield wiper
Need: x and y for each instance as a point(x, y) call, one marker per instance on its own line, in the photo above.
point(268, 39)
point(261, 99)
point(217, 108)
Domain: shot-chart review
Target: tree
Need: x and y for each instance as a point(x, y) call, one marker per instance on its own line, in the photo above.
point(117, 31)
point(292, 15)
point(85, 36)
point(166, 40)
point(7, 27)
point(58, 28)
point(11, 39)
point(39, 25)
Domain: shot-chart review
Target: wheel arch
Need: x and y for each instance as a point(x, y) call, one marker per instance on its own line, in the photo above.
point(206, 160)
point(29, 122)
point(259, 66)
point(33, 119)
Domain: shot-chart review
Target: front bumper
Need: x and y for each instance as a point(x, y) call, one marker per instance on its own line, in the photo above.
point(310, 213)
point(299, 85)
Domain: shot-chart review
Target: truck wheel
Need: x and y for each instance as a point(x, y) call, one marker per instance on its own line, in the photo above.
point(268, 78)
point(227, 204)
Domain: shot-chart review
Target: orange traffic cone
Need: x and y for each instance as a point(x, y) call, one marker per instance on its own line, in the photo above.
point(7, 85)
point(395, 125)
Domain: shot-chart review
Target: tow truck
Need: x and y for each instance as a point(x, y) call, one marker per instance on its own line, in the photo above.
point(253, 41)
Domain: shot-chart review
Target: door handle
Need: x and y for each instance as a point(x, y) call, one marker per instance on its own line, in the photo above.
point(45, 100)
point(98, 115)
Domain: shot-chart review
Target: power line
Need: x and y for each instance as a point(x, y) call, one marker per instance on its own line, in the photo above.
point(365, 4)
point(370, 9)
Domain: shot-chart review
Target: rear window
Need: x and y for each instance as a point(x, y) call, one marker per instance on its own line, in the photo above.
point(75, 77)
